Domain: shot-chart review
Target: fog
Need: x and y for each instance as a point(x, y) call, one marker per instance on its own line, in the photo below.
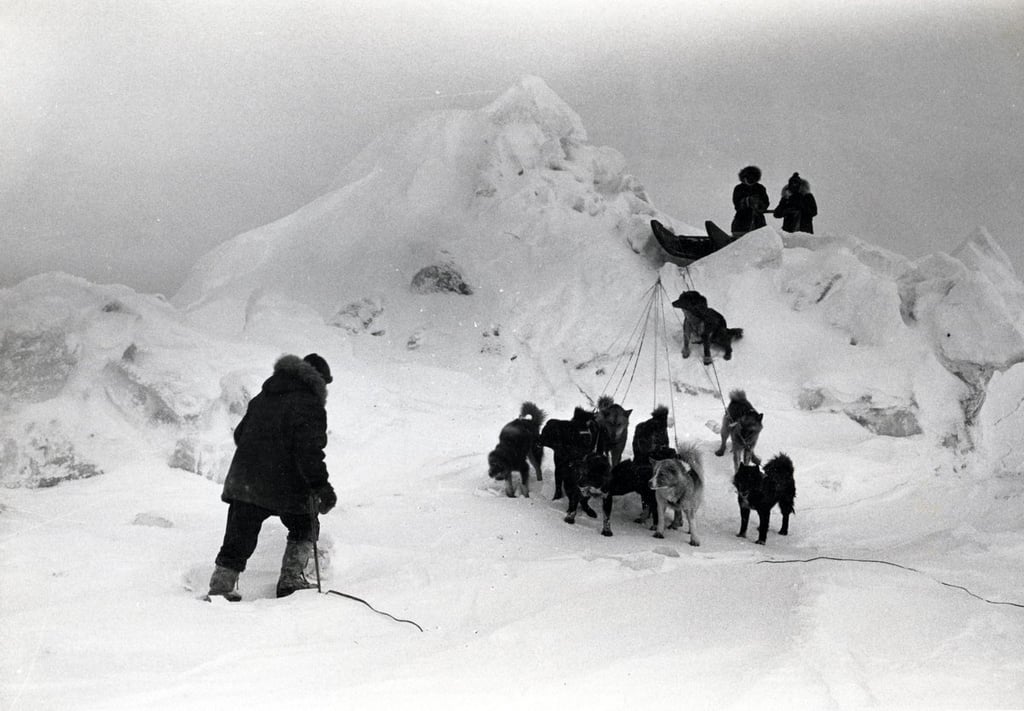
point(138, 135)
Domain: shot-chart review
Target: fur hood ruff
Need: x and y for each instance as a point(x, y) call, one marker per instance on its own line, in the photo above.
point(293, 367)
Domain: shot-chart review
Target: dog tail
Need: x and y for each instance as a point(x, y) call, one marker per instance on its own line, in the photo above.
point(735, 333)
point(660, 412)
point(604, 402)
point(737, 395)
point(530, 411)
point(690, 453)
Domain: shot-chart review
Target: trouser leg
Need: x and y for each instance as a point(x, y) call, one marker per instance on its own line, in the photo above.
point(241, 534)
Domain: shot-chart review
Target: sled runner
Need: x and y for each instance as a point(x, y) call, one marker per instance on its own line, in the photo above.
point(691, 247)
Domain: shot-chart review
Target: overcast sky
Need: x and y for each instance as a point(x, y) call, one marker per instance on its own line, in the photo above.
point(137, 135)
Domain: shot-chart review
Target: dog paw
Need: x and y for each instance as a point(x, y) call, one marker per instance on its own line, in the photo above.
point(557, 496)
point(719, 452)
point(694, 542)
point(760, 543)
point(659, 535)
point(570, 519)
point(606, 532)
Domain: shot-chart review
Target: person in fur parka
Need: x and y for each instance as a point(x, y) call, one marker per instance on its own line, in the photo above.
point(797, 206)
point(278, 470)
point(750, 200)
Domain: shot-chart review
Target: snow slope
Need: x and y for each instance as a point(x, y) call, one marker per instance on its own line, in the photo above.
point(895, 385)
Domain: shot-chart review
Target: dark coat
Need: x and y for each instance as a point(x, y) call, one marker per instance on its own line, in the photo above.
point(280, 441)
point(797, 208)
point(750, 202)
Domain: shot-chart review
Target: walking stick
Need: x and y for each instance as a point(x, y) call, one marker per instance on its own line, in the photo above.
point(315, 532)
point(314, 505)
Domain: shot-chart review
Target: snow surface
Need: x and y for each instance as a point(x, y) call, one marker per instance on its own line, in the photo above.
point(896, 386)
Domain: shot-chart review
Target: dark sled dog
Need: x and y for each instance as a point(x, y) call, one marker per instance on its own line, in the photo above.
point(583, 482)
point(762, 490)
point(743, 424)
point(627, 477)
point(518, 447)
point(651, 434)
point(705, 325)
point(570, 441)
point(648, 437)
point(679, 484)
point(614, 419)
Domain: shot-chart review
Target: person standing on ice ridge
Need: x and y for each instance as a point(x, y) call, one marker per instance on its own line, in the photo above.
point(797, 206)
point(278, 470)
point(750, 200)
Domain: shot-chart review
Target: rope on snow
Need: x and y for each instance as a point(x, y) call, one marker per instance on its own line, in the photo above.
point(894, 565)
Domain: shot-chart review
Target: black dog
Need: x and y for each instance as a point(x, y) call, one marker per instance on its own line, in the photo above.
point(518, 446)
point(628, 477)
point(704, 324)
point(571, 440)
point(762, 490)
point(651, 434)
point(614, 419)
point(582, 482)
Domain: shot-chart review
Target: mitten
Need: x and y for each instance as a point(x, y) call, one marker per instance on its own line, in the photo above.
point(326, 499)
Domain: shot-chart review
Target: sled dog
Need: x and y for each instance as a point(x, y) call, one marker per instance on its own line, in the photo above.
point(614, 419)
point(705, 325)
point(570, 441)
point(679, 484)
point(742, 424)
point(761, 491)
point(518, 447)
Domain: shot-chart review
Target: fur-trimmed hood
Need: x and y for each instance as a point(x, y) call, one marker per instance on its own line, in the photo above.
point(291, 373)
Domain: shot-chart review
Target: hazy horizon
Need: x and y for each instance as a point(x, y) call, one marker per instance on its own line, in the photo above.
point(140, 138)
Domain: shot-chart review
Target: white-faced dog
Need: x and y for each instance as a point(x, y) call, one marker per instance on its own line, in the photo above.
point(678, 484)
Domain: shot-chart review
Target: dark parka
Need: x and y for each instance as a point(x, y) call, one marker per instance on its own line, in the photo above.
point(750, 202)
point(279, 460)
point(797, 206)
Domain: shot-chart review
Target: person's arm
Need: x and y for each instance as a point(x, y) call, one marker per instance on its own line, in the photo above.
point(762, 194)
point(310, 442)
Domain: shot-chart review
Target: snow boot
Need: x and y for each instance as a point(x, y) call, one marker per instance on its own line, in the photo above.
point(293, 566)
point(223, 583)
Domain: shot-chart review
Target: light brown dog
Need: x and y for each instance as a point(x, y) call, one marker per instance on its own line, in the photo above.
point(679, 485)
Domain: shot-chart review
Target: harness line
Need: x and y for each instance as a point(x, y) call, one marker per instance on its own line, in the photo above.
point(313, 504)
point(627, 353)
point(634, 355)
